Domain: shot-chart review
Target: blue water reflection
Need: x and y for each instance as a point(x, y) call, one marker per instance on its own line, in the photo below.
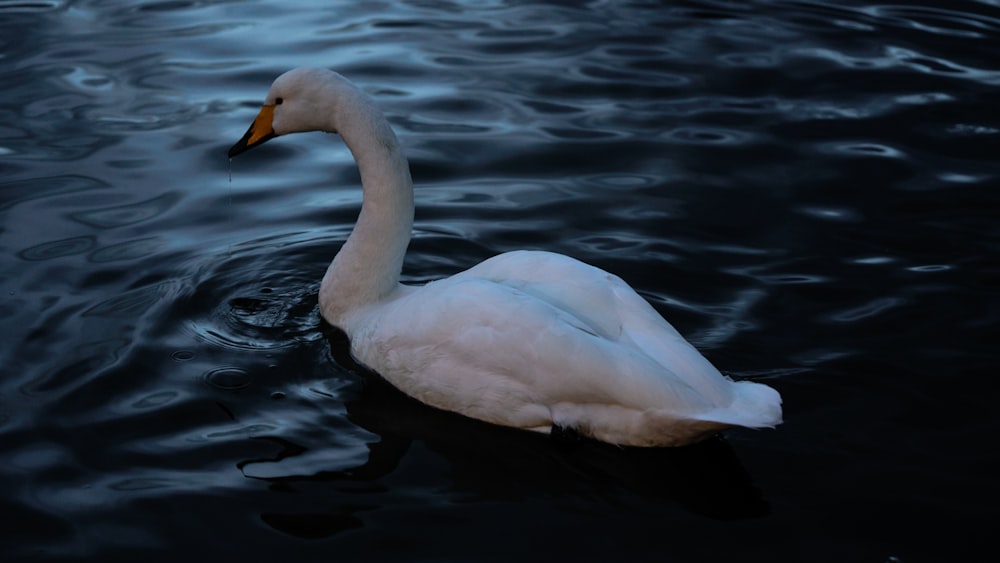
point(805, 189)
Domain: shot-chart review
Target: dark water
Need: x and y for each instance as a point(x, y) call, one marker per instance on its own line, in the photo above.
point(807, 190)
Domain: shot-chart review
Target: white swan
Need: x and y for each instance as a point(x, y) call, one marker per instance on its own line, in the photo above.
point(525, 339)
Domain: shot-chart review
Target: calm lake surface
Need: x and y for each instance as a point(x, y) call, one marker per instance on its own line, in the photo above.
point(807, 190)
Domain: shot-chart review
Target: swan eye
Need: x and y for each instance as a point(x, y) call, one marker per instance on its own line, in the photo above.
point(279, 101)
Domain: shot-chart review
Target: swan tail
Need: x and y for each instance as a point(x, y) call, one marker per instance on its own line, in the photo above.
point(754, 405)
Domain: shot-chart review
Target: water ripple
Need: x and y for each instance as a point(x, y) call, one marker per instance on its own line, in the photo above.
point(14, 6)
point(17, 192)
point(130, 214)
point(830, 213)
point(155, 400)
point(803, 187)
point(58, 248)
point(868, 310)
point(229, 378)
point(939, 21)
point(127, 251)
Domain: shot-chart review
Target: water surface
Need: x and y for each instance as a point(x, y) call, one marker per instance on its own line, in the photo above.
point(802, 188)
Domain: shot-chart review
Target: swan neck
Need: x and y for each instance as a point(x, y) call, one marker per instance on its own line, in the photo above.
point(367, 267)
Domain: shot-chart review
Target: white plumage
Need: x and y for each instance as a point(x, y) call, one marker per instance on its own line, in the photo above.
point(525, 339)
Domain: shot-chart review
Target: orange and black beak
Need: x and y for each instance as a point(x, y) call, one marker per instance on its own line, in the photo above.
point(261, 130)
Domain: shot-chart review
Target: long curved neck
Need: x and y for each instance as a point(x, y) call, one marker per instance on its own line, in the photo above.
point(367, 267)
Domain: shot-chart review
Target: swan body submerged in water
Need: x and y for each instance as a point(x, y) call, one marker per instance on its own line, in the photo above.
point(527, 339)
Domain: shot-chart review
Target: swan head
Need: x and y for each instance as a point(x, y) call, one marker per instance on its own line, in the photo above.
point(300, 100)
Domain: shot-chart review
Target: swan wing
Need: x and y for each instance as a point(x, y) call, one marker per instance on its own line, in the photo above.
point(520, 350)
point(610, 307)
